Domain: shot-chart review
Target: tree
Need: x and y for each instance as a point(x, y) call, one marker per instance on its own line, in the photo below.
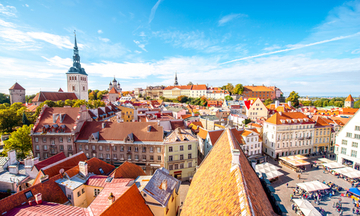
point(357, 104)
point(91, 96)
point(28, 98)
point(246, 121)
point(294, 98)
point(50, 103)
point(228, 97)
point(147, 98)
point(268, 101)
point(230, 87)
point(182, 99)
point(239, 89)
point(68, 102)
point(20, 141)
point(141, 96)
point(306, 103)
point(8, 120)
point(59, 103)
point(190, 83)
point(78, 103)
point(4, 98)
point(24, 119)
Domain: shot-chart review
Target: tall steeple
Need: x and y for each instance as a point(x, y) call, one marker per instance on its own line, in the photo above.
point(176, 82)
point(76, 57)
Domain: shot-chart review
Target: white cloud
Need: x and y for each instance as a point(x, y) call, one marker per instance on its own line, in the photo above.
point(153, 10)
point(104, 39)
point(100, 31)
point(6, 24)
point(137, 42)
point(8, 10)
point(26, 5)
point(141, 46)
point(57, 40)
point(137, 51)
point(230, 17)
point(271, 48)
point(142, 34)
point(356, 51)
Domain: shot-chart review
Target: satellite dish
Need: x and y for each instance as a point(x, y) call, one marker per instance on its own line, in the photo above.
point(61, 171)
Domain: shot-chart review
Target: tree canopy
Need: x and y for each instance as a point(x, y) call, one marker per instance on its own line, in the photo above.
point(228, 97)
point(4, 98)
point(239, 89)
point(11, 116)
point(20, 141)
point(190, 83)
point(229, 87)
point(268, 101)
point(294, 98)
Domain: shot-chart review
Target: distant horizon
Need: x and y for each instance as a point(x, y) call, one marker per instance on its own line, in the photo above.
point(313, 49)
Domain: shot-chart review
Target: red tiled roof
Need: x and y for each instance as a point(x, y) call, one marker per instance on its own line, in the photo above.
point(54, 96)
point(60, 90)
point(16, 86)
point(46, 118)
point(179, 87)
point(32, 108)
point(349, 98)
point(237, 135)
point(214, 135)
point(97, 181)
point(50, 190)
point(119, 131)
point(199, 87)
point(50, 160)
point(177, 124)
point(276, 118)
point(127, 170)
point(349, 111)
point(95, 163)
point(130, 203)
point(320, 122)
point(66, 164)
point(48, 209)
point(113, 91)
point(257, 88)
point(221, 188)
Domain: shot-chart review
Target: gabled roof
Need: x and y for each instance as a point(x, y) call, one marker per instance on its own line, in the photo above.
point(16, 86)
point(220, 187)
point(202, 133)
point(180, 135)
point(130, 203)
point(113, 91)
point(94, 165)
point(177, 124)
point(257, 88)
point(320, 122)
point(60, 90)
point(54, 96)
point(50, 160)
point(214, 135)
point(127, 170)
point(199, 87)
point(183, 87)
point(292, 116)
point(119, 131)
point(349, 98)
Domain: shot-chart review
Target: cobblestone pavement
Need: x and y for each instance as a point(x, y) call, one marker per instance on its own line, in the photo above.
point(184, 188)
point(314, 174)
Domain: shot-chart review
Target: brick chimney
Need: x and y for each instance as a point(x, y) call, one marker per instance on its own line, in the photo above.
point(111, 198)
point(83, 168)
point(38, 198)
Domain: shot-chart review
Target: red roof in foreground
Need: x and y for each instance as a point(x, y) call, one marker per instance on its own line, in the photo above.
point(130, 203)
point(16, 86)
point(50, 160)
point(128, 170)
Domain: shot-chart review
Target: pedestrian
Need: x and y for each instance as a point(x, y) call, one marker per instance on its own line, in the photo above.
point(330, 195)
point(291, 197)
point(287, 185)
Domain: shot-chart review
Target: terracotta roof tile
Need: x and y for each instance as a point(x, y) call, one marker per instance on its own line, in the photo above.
point(197, 123)
point(219, 188)
point(177, 124)
point(349, 111)
point(199, 87)
point(202, 133)
point(54, 96)
point(130, 203)
point(214, 135)
point(320, 122)
point(119, 131)
point(183, 87)
point(349, 98)
point(277, 118)
point(50, 160)
point(257, 88)
point(113, 91)
point(97, 181)
point(128, 170)
point(16, 86)
point(95, 163)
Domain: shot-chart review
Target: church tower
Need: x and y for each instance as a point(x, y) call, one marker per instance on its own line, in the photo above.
point(77, 78)
point(176, 82)
point(349, 101)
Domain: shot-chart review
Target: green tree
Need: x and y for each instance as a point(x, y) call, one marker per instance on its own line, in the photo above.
point(24, 119)
point(306, 103)
point(140, 96)
point(340, 104)
point(68, 102)
point(190, 83)
point(228, 97)
point(318, 103)
point(8, 120)
point(182, 99)
point(50, 103)
point(59, 103)
point(239, 89)
point(78, 103)
point(246, 121)
point(147, 98)
point(4, 98)
point(268, 101)
point(357, 104)
point(230, 87)
point(20, 141)
point(325, 103)
point(91, 96)
point(294, 98)
point(28, 98)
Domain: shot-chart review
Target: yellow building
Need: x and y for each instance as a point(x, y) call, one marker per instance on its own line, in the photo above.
point(181, 154)
point(256, 109)
point(322, 135)
point(127, 113)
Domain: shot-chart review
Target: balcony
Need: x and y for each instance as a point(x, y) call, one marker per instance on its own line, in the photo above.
point(301, 138)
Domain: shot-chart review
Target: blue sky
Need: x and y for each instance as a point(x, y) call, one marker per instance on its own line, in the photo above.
point(312, 47)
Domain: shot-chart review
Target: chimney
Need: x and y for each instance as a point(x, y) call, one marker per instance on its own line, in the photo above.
point(83, 168)
point(38, 198)
point(103, 125)
point(289, 103)
point(12, 157)
point(277, 103)
point(235, 156)
point(14, 169)
point(111, 198)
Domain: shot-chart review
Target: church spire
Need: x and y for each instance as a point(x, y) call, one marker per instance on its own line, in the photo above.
point(176, 82)
point(76, 57)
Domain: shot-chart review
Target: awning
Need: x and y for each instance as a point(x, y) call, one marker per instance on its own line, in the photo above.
point(155, 165)
point(349, 172)
point(306, 207)
point(333, 165)
point(177, 172)
point(355, 191)
point(313, 186)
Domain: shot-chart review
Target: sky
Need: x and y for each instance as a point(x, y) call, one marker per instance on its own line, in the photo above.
point(311, 47)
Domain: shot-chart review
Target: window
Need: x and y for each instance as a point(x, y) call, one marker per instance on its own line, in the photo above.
point(28, 195)
point(189, 147)
point(121, 148)
point(86, 147)
point(136, 149)
point(61, 147)
point(181, 148)
point(349, 135)
point(129, 149)
point(60, 139)
point(158, 149)
point(151, 149)
point(69, 147)
point(87, 155)
point(176, 166)
point(101, 155)
point(80, 147)
point(171, 167)
point(45, 147)
point(129, 156)
point(357, 136)
point(96, 192)
point(69, 139)
point(144, 149)
point(93, 147)
point(159, 158)
point(69, 196)
point(181, 166)
point(189, 164)
point(170, 148)
point(115, 156)
point(343, 150)
point(151, 157)
point(114, 148)
point(181, 157)
point(44, 139)
point(107, 148)
point(37, 147)
point(189, 156)
point(136, 157)
point(344, 142)
point(144, 157)
point(353, 153)
point(36, 139)
point(354, 144)
point(45, 155)
point(170, 158)
point(357, 128)
point(78, 193)
point(100, 148)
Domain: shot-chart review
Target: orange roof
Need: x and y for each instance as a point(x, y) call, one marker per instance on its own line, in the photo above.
point(130, 203)
point(276, 118)
point(349, 98)
point(246, 133)
point(320, 122)
point(16, 86)
point(113, 91)
point(127, 170)
point(221, 188)
point(349, 111)
point(32, 108)
point(255, 125)
point(214, 135)
point(197, 123)
point(257, 88)
point(202, 133)
point(184, 87)
point(54, 96)
point(199, 87)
